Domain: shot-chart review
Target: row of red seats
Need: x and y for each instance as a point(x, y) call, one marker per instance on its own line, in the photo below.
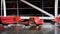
point(16, 19)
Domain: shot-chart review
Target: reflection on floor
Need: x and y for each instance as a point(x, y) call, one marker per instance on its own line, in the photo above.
point(46, 30)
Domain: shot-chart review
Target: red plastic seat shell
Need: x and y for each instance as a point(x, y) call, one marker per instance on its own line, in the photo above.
point(18, 19)
point(38, 21)
point(9, 19)
point(56, 20)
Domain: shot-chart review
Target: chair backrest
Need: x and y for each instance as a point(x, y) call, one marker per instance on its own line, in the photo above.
point(38, 21)
point(57, 20)
point(10, 19)
point(7, 19)
point(18, 18)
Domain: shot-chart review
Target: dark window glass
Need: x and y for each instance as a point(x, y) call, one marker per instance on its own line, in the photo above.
point(11, 7)
point(10, 0)
point(47, 5)
point(26, 10)
point(0, 7)
point(11, 12)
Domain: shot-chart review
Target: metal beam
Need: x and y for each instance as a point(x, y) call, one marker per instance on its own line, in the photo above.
point(27, 17)
point(56, 8)
point(4, 6)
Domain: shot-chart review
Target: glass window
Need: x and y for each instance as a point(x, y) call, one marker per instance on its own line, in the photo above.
point(21, 8)
point(47, 5)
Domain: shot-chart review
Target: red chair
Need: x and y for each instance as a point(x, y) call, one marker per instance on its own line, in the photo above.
point(18, 19)
point(56, 19)
point(7, 20)
point(38, 21)
point(10, 19)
